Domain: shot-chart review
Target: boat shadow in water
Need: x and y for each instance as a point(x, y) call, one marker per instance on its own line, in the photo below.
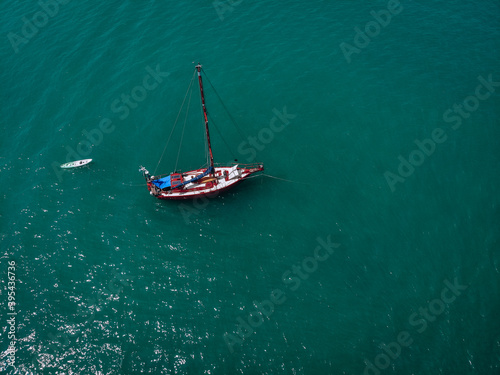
point(200, 209)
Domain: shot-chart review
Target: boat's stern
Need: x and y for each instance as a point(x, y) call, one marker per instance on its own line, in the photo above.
point(152, 188)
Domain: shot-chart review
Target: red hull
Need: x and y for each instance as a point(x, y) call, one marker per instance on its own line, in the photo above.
point(225, 178)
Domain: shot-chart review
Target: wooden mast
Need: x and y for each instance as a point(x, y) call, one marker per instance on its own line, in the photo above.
point(198, 68)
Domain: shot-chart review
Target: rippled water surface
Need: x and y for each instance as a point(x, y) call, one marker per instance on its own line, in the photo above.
point(360, 262)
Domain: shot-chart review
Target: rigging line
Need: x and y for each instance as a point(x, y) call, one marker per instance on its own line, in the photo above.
point(242, 133)
point(175, 123)
point(183, 128)
point(220, 134)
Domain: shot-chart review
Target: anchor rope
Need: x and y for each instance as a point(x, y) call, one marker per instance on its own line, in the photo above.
point(278, 178)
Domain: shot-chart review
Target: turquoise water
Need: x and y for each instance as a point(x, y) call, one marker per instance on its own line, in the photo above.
point(356, 267)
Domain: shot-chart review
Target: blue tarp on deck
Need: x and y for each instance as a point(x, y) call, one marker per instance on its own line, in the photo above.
point(162, 183)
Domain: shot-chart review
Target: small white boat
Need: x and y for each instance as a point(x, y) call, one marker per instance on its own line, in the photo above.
point(74, 164)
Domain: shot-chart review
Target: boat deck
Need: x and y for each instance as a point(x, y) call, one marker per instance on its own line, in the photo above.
point(211, 185)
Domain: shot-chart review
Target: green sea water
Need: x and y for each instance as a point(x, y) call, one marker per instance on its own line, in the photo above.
point(380, 254)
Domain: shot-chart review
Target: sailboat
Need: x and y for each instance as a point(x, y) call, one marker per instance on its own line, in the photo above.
point(207, 181)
